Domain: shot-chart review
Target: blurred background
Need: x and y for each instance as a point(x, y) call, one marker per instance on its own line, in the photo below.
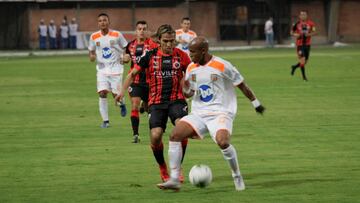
point(224, 22)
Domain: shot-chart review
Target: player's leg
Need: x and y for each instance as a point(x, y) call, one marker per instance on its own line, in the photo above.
point(157, 123)
point(295, 66)
point(176, 112)
point(135, 97)
point(302, 67)
point(102, 88)
point(116, 84)
point(220, 130)
point(188, 127)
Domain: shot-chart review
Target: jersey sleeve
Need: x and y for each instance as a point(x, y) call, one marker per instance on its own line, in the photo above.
point(92, 45)
point(185, 61)
point(294, 27)
point(233, 74)
point(127, 49)
point(145, 59)
point(122, 41)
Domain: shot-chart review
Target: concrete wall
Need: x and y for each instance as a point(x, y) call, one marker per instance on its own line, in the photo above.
point(316, 13)
point(204, 23)
point(349, 21)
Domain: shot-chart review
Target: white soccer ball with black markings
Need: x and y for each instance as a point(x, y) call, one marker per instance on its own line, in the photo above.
point(200, 175)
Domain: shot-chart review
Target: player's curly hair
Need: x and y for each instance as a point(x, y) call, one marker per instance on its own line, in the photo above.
point(166, 28)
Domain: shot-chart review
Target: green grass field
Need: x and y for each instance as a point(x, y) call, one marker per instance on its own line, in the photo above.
point(305, 148)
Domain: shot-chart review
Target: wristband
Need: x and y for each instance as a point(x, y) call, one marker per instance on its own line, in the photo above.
point(256, 103)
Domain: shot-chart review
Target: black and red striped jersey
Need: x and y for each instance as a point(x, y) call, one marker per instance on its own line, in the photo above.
point(302, 28)
point(136, 50)
point(165, 74)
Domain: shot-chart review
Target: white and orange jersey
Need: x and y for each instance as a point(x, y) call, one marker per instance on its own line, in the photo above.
point(214, 86)
point(187, 36)
point(109, 50)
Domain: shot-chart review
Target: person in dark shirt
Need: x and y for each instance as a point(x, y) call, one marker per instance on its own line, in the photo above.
point(139, 88)
point(302, 30)
point(166, 66)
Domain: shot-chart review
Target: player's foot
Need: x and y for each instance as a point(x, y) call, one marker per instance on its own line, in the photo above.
point(293, 68)
point(181, 176)
point(171, 184)
point(123, 110)
point(305, 79)
point(239, 183)
point(164, 173)
point(105, 124)
point(136, 139)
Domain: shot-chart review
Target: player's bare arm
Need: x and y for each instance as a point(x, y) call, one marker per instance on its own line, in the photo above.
point(92, 56)
point(187, 91)
point(251, 96)
point(128, 80)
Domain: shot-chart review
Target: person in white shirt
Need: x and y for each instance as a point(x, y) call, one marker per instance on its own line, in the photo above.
point(42, 30)
point(269, 32)
point(52, 34)
point(211, 81)
point(73, 33)
point(64, 34)
point(184, 35)
point(107, 47)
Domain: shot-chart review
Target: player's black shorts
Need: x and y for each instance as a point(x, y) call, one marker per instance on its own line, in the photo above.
point(158, 114)
point(141, 91)
point(303, 51)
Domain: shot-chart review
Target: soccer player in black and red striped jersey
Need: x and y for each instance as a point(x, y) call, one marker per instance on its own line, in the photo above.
point(139, 88)
point(303, 30)
point(166, 66)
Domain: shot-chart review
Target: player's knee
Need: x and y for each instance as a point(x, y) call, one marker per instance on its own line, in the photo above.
point(103, 94)
point(176, 135)
point(156, 137)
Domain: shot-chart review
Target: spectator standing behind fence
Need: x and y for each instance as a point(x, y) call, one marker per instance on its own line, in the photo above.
point(269, 32)
point(73, 27)
point(42, 34)
point(52, 35)
point(64, 34)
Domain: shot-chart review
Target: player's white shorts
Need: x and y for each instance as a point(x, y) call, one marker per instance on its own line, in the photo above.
point(111, 83)
point(209, 123)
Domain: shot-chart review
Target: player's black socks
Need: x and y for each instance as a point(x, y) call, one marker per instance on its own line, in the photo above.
point(303, 73)
point(158, 151)
point(294, 67)
point(183, 145)
point(135, 124)
point(135, 121)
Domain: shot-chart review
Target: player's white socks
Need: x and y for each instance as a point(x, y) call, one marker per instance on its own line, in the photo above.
point(175, 155)
point(103, 107)
point(231, 156)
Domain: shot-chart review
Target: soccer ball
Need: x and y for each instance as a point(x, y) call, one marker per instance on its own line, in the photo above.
point(200, 175)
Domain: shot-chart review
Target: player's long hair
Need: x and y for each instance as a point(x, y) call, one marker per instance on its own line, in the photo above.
point(166, 28)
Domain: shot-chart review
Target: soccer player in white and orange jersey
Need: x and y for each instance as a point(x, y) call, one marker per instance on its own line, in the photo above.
point(211, 81)
point(106, 46)
point(184, 35)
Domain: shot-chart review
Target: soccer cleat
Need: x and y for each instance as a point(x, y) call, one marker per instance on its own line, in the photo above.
point(136, 139)
point(123, 110)
point(164, 173)
point(181, 176)
point(105, 124)
point(171, 184)
point(239, 183)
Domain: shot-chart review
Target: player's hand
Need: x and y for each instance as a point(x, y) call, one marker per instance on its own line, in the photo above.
point(260, 109)
point(119, 98)
point(126, 58)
